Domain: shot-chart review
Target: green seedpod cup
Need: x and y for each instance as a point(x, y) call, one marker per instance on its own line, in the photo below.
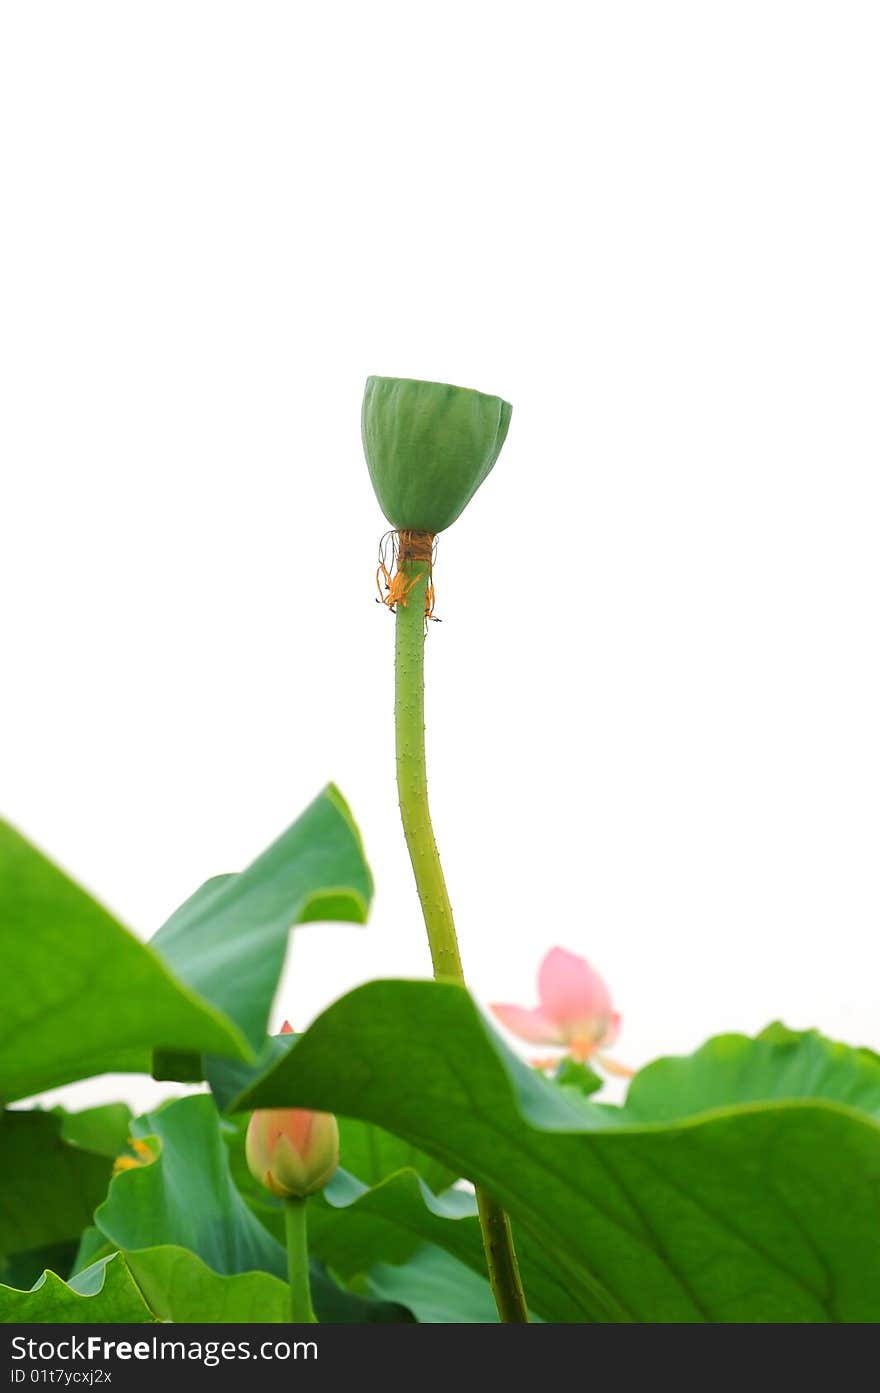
point(429, 446)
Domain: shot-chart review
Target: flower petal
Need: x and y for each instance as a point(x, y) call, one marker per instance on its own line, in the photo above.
point(573, 995)
point(614, 1067)
point(612, 1030)
point(532, 1025)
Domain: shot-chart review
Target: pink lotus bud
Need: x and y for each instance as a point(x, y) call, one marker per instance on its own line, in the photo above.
point(292, 1151)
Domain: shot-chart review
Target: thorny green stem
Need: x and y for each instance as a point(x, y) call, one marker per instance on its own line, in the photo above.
point(507, 1287)
point(301, 1312)
point(412, 788)
point(412, 779)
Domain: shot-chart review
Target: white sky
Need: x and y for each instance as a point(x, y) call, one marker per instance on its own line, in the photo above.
point(653, 701)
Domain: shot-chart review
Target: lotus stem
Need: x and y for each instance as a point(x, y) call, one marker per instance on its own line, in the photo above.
point(301, 1312)
point(412, 787)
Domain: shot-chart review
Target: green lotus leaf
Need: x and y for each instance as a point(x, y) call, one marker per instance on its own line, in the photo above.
point(437, 1289)
point(48, 1186)
point(105, 1292)
point(81, 995)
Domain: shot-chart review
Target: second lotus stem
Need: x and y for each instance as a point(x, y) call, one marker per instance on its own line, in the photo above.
point(301, 1310)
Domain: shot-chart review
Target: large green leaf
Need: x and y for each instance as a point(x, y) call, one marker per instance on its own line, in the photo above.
point(372, 1154)
point(729, 1069)
point(48, 1187)
point(104, 1292)
point(165, 1283)
point(334, 1305)
point(763, 1211)
point(79, 994)
point(352, 1227)
point(54, 1168)
point(228, 941)
point(172, 1284)
point(103, 1129)
point(436, 1288)
point(178, 1286)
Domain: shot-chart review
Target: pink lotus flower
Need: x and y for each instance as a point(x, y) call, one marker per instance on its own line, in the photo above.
point(575, 1011)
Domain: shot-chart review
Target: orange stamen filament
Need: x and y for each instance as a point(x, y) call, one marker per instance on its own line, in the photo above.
point(394, 588)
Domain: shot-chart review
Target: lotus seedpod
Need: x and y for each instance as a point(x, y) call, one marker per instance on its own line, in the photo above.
point(429, 446)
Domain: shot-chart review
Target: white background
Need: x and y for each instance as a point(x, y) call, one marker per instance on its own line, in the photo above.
point(653, 702)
